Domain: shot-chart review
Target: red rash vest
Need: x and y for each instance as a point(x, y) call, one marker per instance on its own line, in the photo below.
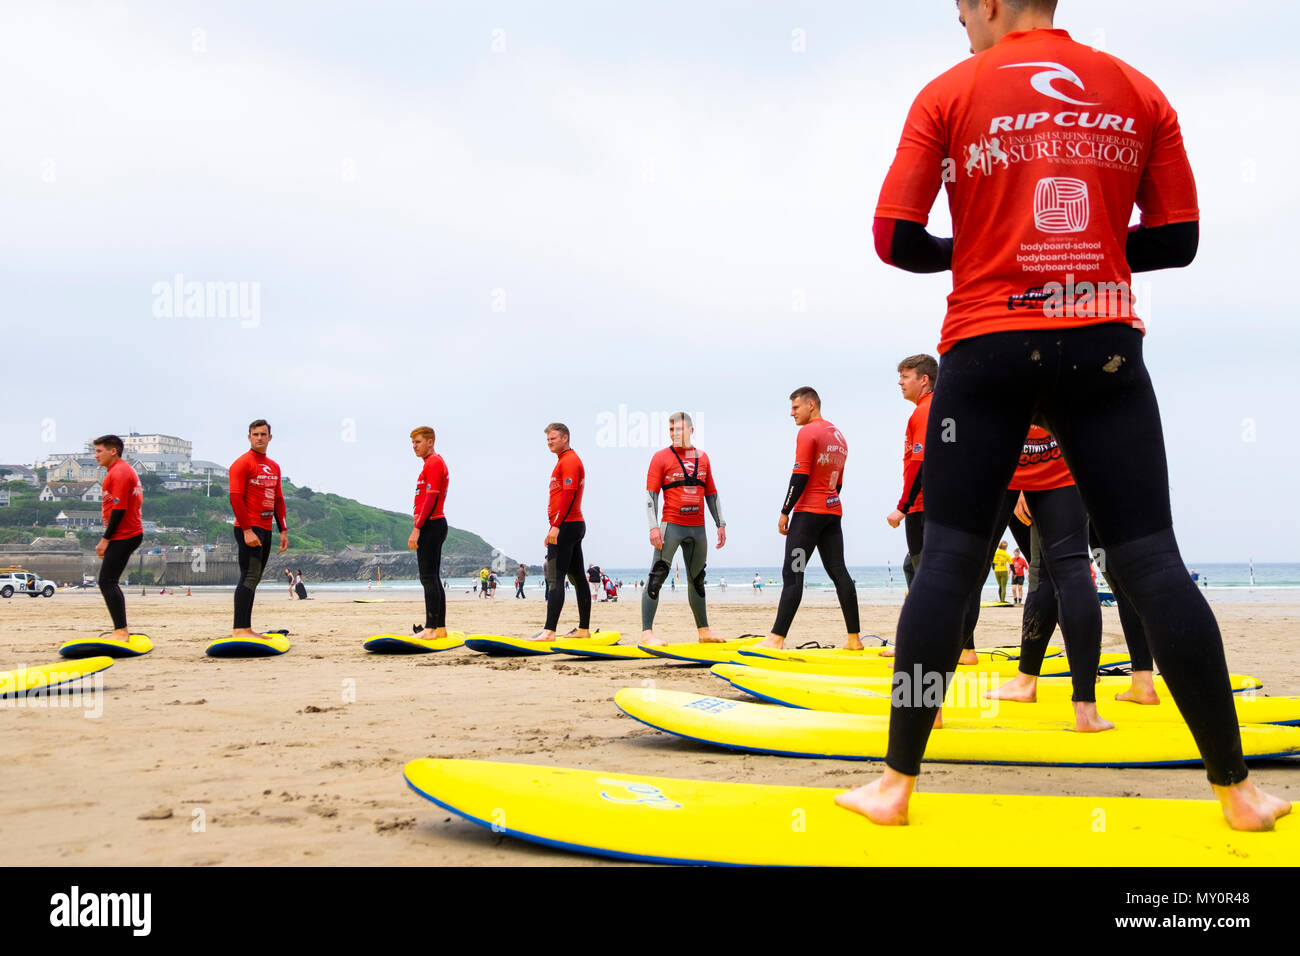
point(567, 481)
point(1044, 146)
point(820, 453)
point(255, 494)
point(122, 490)
point(684, 504)
point(431, 490)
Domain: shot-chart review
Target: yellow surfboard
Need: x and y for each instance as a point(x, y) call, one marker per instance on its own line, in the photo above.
point(498, 645)
point(269, 644)
point(667, 820)
point(1047, 687)
point(800, 661)
point(764, 728)
point(24, 680)
point(966, 699)
point(840, 654)
point(700, 653)
point(411, 644)
point(106, 647)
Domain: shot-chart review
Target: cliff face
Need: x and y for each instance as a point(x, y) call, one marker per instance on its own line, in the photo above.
point(63, 561)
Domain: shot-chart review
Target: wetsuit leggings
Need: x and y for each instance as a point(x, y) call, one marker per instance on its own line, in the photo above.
point(1041, 615)
point(806, 532)
point(1060, 547)
point(695, 549)
point(1018, 531)
point(564, 559)
point(252, 562)
point(110, 572)
point(428, 556)
point(1090, 388)
point(914, 529)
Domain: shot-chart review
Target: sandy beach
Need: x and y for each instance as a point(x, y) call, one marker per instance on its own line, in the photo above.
point(297, 759)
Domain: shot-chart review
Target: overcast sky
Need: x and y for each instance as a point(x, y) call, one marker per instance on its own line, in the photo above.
point(488, 216)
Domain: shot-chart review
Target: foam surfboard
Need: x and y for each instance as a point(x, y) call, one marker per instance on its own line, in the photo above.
point(368, 600)
point(269, 644)
point(1048, 688)
point(24, 680)
point(77, 648)
point(996, 604)
point(613, 652)
point(764, 728)
point(872, 670)
point(699, 653)
point(411, 644)
point(868, 666)
point(498, 645)
point(667, 820)
point(966, 700)
point(838, 654)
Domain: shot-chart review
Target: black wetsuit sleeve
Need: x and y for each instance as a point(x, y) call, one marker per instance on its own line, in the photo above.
point(797, 485)
point(1162, 247)
point(114, 519)
point(715, 509)
point(914, 490)
point(909, 247)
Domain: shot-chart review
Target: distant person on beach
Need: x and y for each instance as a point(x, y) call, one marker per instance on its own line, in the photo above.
point(483, 582)
point(564, 536)
point(256, 499)
point(429, 530)
point(758, 583)
point(121, 501)
point(1002, 561)
point(684, 475)
point(298, 586)
point(520, 577)
point(811, 518)
point(288, 575)
point(593, 578)
point(1018, 568)
point(492, 585)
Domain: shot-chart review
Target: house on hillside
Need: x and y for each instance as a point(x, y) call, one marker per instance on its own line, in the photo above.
point(20, 473)
point(71, 491)
point(80, 520)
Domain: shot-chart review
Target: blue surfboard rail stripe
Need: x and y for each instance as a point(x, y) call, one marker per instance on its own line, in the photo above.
point(571, 847)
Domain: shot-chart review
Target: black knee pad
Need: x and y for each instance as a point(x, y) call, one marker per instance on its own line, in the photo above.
point(698, 582)
point(658, 575)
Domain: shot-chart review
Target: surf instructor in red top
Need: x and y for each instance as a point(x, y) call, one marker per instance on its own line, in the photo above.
point(1044, 146)
point(564, 537)
point(256, 498)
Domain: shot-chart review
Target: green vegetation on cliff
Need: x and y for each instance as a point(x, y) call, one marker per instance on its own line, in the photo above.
point(317, 522)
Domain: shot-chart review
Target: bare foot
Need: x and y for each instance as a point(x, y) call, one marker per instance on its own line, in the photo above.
point(773, 641)
point(854, 643)
point(883, 801)
point(244, 632)
point(1246, 807)
point(1142, 689)
point(542, 636)
point(886, 652)
point(121, 634)
point(648, 637)
point(968, 656)
point(1022, 687)
point(1087, 720)
point(706, 636)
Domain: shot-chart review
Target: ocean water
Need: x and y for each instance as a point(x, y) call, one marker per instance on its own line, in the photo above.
point(884, 584)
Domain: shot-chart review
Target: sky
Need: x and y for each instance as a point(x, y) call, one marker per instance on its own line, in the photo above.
point(487, 217)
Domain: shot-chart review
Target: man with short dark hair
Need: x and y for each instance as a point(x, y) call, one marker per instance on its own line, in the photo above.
point(685, 476)
point(256, 498)
point(564, 537)
point(122, 498)
point(1059, 142)
point(814, 499)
